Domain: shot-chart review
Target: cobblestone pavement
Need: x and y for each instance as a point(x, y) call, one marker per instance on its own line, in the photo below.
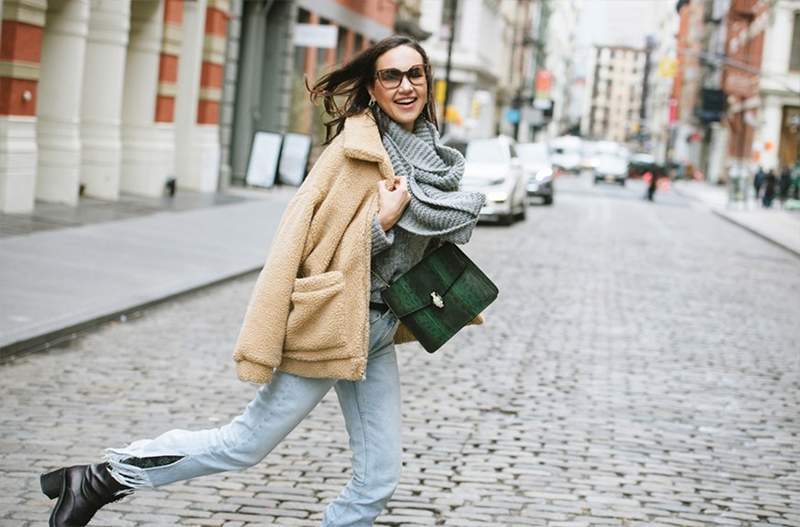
point(640, 367)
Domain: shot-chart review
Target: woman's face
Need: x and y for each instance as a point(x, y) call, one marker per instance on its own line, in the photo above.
point(402, 101)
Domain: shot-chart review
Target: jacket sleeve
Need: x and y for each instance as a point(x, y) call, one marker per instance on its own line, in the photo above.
point(380, 240)
point(259, 347)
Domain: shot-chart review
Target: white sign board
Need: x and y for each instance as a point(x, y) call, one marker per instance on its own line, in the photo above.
point(294, 158)
point(316, 35)
point(263, 159)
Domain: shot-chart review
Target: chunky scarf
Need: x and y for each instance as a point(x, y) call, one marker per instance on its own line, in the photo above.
point(433, 172)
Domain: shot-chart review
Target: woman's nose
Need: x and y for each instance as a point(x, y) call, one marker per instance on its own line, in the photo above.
point(405, 84)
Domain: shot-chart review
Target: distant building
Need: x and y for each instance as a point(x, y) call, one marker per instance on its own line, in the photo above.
point(560, 44)
point(614, 95)
point(660, 111)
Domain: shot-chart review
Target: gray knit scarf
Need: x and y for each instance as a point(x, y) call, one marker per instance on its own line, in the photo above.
point(433, 172)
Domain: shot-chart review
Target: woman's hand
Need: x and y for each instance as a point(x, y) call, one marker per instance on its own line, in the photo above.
point(392, 202)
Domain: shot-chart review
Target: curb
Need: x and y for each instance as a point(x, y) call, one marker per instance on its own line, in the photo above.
point(61, 336)
point(791, 250)
point(721, 214)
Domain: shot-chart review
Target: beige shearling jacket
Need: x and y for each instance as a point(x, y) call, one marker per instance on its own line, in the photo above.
point(308, 313)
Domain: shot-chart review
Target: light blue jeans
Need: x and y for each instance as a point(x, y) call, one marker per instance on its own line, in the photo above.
point(371, 409)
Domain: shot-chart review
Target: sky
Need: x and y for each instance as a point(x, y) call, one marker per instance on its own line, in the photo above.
point(618, 22)
point(615, 22)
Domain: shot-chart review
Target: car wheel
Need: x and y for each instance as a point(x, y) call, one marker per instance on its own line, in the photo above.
point(548, 200)
point(507, 219)
point(622, 182)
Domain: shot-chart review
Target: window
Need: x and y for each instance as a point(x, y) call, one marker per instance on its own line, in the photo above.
point(794, 54)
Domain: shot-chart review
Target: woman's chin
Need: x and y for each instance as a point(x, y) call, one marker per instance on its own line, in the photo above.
point(405, 119)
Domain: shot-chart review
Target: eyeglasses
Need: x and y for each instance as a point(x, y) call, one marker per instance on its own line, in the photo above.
point(391, 78)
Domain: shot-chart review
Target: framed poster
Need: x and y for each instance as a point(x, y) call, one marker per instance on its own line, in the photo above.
point(263, 162)
point(294, 158)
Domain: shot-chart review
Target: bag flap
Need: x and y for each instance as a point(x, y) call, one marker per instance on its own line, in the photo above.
point(437, 272)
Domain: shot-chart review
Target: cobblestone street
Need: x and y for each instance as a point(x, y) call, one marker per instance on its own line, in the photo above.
point(641, 366)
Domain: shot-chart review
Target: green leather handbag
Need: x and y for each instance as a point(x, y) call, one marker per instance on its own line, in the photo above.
point(440, 295)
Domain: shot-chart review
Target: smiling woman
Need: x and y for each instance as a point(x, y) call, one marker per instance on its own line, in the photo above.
point(383, 193)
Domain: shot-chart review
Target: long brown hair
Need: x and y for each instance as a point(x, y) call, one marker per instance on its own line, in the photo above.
point(351, 81)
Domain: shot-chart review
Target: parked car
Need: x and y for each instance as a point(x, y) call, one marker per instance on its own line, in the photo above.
point(610, 168)
point(538, 170)
point(493, 168)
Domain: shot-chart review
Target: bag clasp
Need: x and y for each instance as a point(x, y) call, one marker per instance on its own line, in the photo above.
point(437, 300)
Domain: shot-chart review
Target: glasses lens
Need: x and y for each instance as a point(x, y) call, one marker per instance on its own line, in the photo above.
point(417, 75)
point(390, 78)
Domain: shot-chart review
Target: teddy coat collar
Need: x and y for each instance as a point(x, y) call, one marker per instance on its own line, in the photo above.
point(363, 141)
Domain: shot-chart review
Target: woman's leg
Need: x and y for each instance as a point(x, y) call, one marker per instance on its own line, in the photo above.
point(372, 414)
point(181, 454)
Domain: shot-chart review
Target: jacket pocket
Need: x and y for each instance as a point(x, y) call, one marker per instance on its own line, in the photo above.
point(316, 318)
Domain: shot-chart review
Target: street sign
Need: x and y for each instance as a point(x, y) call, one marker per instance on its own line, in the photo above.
point(316, 35)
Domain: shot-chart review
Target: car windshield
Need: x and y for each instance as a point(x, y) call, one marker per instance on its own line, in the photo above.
point(532, 153)
point(487, 151)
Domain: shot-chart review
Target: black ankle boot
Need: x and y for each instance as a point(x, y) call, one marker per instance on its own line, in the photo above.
point(82, 490)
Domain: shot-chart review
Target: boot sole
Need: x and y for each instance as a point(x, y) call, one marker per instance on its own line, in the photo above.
point(52, 482)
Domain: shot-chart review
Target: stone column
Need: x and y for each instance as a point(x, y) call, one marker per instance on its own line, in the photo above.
point(20, 55)
point(58, 109)
point(207, 137)
point(148, 108)
point(101, 105)
point(200, 92)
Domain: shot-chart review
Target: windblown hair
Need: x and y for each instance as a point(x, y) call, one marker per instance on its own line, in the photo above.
point(351, 81)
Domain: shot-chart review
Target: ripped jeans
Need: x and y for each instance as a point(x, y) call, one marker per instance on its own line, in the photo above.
point(371, 411)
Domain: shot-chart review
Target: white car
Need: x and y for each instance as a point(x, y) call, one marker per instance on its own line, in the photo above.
point(613, 169)
point(493, 168)
point(565, 154)
point(538, 170)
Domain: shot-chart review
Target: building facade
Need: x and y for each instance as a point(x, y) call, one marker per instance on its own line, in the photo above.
point(614, 93)
point(777, 130)
point(660, 111)
point(559, 62)
point(98, 98)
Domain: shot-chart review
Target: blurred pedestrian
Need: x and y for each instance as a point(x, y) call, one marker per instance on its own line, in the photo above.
point(784, 184)
point(382, 194)
point(770, 182)
point(652, 182)
point(758, 181)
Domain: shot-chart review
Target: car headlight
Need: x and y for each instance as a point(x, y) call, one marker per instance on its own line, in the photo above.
point(544, 174)
point(497, 196)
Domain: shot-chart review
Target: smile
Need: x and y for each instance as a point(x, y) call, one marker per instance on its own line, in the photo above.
point(407, 102)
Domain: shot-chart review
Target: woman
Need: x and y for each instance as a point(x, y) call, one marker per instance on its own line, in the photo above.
point(382, 193)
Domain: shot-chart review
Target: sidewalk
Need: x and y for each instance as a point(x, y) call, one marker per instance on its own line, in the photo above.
point(778, 226)
point(57, 281)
